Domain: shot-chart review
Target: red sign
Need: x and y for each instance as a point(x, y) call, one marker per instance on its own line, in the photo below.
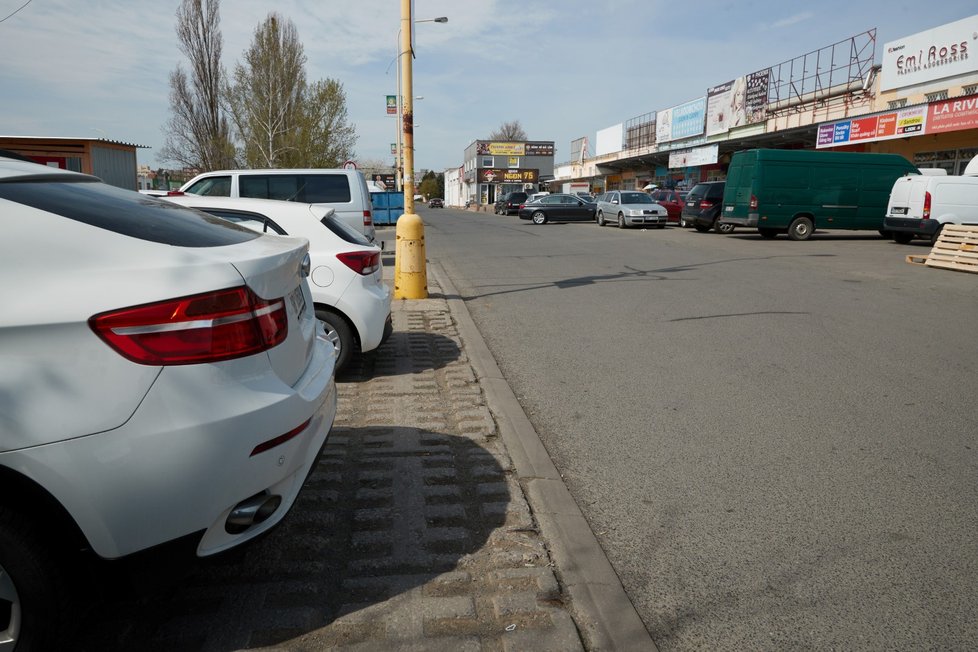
point(953, 115)
point(865, 128)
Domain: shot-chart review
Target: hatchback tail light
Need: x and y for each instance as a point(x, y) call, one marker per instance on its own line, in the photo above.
point(197, 329)
point(361, 262)
point(753, 202)
point(926, 206)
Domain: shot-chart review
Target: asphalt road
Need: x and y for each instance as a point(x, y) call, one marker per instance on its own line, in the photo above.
point(776, 442)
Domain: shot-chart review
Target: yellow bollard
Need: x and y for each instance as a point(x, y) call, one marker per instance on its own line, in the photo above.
point(410, 273)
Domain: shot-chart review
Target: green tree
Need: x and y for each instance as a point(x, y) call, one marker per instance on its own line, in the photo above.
point(432, 185)
point(280, 119)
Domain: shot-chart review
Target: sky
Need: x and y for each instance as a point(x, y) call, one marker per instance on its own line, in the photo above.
point(564, 69)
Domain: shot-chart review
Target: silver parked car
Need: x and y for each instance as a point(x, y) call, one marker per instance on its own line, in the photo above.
point(630, 208)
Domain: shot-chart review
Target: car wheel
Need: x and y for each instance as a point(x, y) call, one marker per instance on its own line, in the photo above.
point(600, 219)
point(720, 227)
point(34, 607)
point(902, 238)
point(621, 221)
point(800, 229)
point(683, 223)
point(702, 228)
point(340, 334)
point(768, 233)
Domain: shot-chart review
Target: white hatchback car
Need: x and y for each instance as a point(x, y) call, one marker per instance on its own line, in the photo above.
point(163, 380)
point(347, 278)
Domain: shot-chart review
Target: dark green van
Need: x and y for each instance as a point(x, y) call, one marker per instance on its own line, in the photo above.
point(798, 191)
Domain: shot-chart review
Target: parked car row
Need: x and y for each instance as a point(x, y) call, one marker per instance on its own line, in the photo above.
point(165, 382)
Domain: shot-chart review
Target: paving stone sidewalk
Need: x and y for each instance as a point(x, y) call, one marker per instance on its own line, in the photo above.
point(412, 534)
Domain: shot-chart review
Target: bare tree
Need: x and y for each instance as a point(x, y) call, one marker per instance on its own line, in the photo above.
point(509, 131)
point(197, 134)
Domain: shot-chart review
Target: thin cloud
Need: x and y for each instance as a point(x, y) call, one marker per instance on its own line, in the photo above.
point(792, 20)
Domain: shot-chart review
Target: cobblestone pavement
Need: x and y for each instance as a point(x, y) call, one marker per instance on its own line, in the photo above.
point(411, 534)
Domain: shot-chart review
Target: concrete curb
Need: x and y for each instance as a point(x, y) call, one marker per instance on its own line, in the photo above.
point(605, 615)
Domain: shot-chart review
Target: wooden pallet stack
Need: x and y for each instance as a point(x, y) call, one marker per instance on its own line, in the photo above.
point(956, 248)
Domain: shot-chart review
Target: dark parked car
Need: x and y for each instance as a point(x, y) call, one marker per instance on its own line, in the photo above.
point(673, 200)
point(436, 202)
point(558, 208)
point(703, 204)
point(510, 203)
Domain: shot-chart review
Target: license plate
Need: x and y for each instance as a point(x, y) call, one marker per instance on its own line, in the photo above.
point(298, 301)
point(901, 210)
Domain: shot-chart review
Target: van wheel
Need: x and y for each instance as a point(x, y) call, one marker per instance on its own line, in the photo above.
point(800, 229)
point(768, 233)
point(35, 608)
point(600, 219)
point(902, 238)
point(340, 334)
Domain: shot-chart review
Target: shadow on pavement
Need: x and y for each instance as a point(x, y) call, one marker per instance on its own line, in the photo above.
point(388, 510)
point(404, 353)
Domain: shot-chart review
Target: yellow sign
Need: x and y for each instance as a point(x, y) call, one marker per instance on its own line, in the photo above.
point(507, 149)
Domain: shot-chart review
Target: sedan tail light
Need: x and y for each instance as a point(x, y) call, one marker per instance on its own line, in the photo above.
point(926, 214)
point(361, 262)
point(197, 329)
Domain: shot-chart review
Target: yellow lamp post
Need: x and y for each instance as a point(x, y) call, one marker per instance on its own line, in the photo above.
point(410, 271)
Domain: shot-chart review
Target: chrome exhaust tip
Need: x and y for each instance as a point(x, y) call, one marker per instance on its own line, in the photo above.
point(251, 511)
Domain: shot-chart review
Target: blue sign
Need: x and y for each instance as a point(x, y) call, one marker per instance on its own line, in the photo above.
point(689, 119)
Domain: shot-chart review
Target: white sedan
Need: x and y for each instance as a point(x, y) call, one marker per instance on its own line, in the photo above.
point(163, 380)
point(347, 278)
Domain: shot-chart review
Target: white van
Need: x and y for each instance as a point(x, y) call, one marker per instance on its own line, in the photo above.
point(345, 191)
point(921, 204)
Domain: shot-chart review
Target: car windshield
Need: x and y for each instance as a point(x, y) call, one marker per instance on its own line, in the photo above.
point(635, 198)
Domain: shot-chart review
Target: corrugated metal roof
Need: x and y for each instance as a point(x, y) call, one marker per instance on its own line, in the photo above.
point(77, 139)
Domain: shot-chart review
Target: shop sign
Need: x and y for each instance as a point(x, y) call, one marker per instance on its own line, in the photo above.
point(953, 115)
point(946, 51)
point(755, 96)
point(899, 123)
point(392, 105)
point(539, 149)
point(693, 157)
point(681, 121)
point(502, 149)
point(498, 175)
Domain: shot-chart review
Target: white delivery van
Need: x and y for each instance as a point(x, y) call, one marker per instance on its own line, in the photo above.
point(921, 204)
point(345, 191)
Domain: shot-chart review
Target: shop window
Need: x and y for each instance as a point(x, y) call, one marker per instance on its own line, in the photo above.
point(487, 162)
point(970, 89)
point(938, 96)
point(897, 104)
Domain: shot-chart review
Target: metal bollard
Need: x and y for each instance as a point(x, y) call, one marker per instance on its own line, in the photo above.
point(410, 272)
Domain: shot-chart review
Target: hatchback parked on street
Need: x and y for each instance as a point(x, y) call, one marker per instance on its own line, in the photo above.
point(630, 208)
point(673, 200)
point(164, 384)
point(703, 205)
point(349, 294)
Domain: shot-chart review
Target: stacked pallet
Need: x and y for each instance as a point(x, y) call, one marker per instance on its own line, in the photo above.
point(956, 248)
